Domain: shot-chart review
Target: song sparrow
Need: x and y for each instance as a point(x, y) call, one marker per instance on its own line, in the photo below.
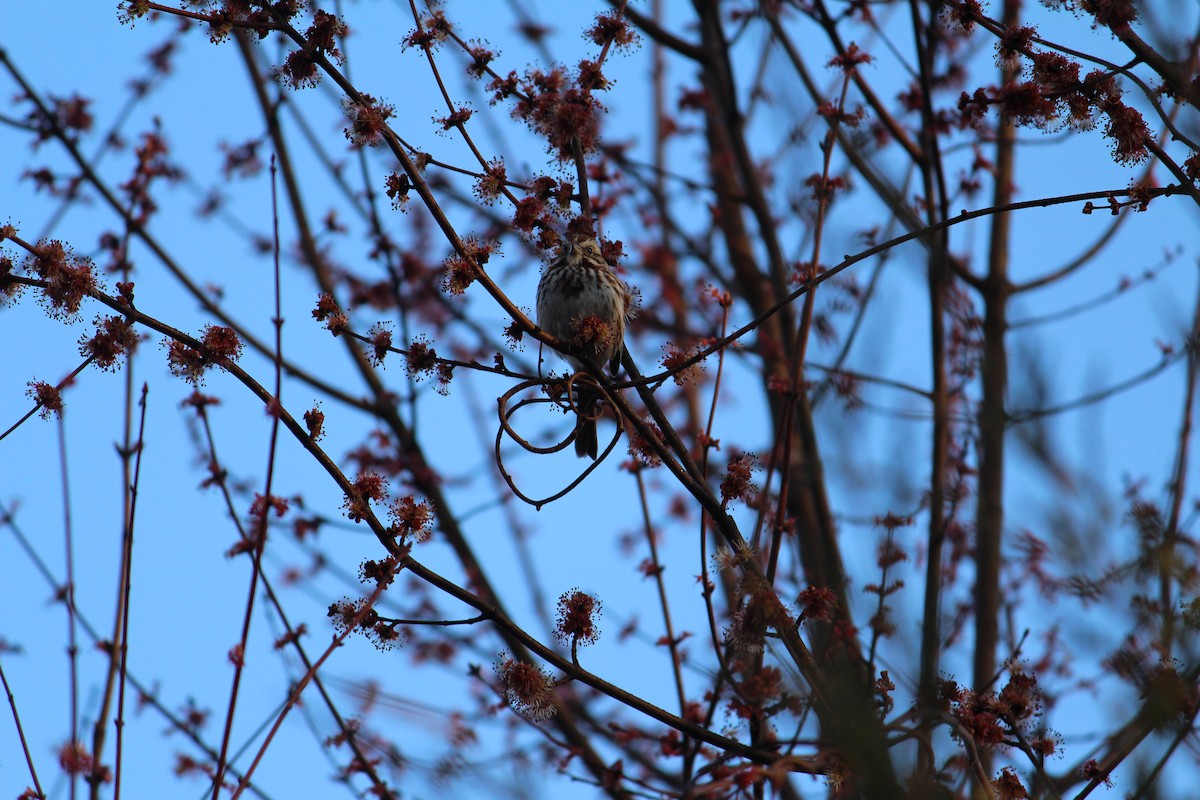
point(582, 302)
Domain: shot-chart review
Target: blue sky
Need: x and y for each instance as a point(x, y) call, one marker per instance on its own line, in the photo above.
point(188, 597)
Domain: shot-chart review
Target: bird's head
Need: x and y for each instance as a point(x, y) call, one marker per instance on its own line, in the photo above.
point(583, 249)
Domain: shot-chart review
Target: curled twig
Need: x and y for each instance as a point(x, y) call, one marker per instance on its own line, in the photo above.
point(505, 413)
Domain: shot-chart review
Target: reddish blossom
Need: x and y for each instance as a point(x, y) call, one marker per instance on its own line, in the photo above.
point(75, 759)
point(458, 273)
point(9, 290)
point(760, 611)
point(972, 107)
point(315, 420)
point(69, 278)
point(47, 396)
point(1047, 745)
point(676, 362)
point(693, 100)
point(1054, 72)
point(528, 213)
point(324, 33)
point(455, 119)
point(1019, 698)
point(736, 484)
point(327, 311)
point(567, 116)
point(883, 692)
point(130, 10)
point(610, 28)
point(382, 571)
point(421, 358)
point(481, 57)
point(818, 603)
point(591, 76)
point(397, 186)
point(514, 334)
point(303, 527)
point(380, 335)
point(113, 339)
point(385, 635)
point(641, 450)
point(490, 185)
point(186, 363)
point(593, 333)
point(1025, 104)
point(1007, 786)
point(350, 614)
point(1114, 14)
point(368, 120)
point(291, 637)
point(72, 113)
point(221, 343)
point(949, 691)
point(758, 689)
point(528, 689)
point(835, 113)
point(1129, 133)
point(1093, 772)
point(965, 14)
point(411, 520)
point(889, 554)
point(533, 31)
point(263, 506)
point(430, 31)
point(1014, 42)
point(1191, 167)
point(503, 88)
point(241, 160)
point(125, 292)
point(300, 70)
point(577, 615)
point(850, 58)
point(368, 487)
point(444, 374)
point(825, 187)
point(980, 721)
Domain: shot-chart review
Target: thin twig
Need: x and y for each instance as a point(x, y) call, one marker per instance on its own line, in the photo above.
point(12, 704)
point(126, 589)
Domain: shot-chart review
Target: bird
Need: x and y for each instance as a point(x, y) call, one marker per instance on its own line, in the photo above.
point(582, 303)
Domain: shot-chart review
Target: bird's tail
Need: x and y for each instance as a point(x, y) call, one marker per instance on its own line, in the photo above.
point(586, 440)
